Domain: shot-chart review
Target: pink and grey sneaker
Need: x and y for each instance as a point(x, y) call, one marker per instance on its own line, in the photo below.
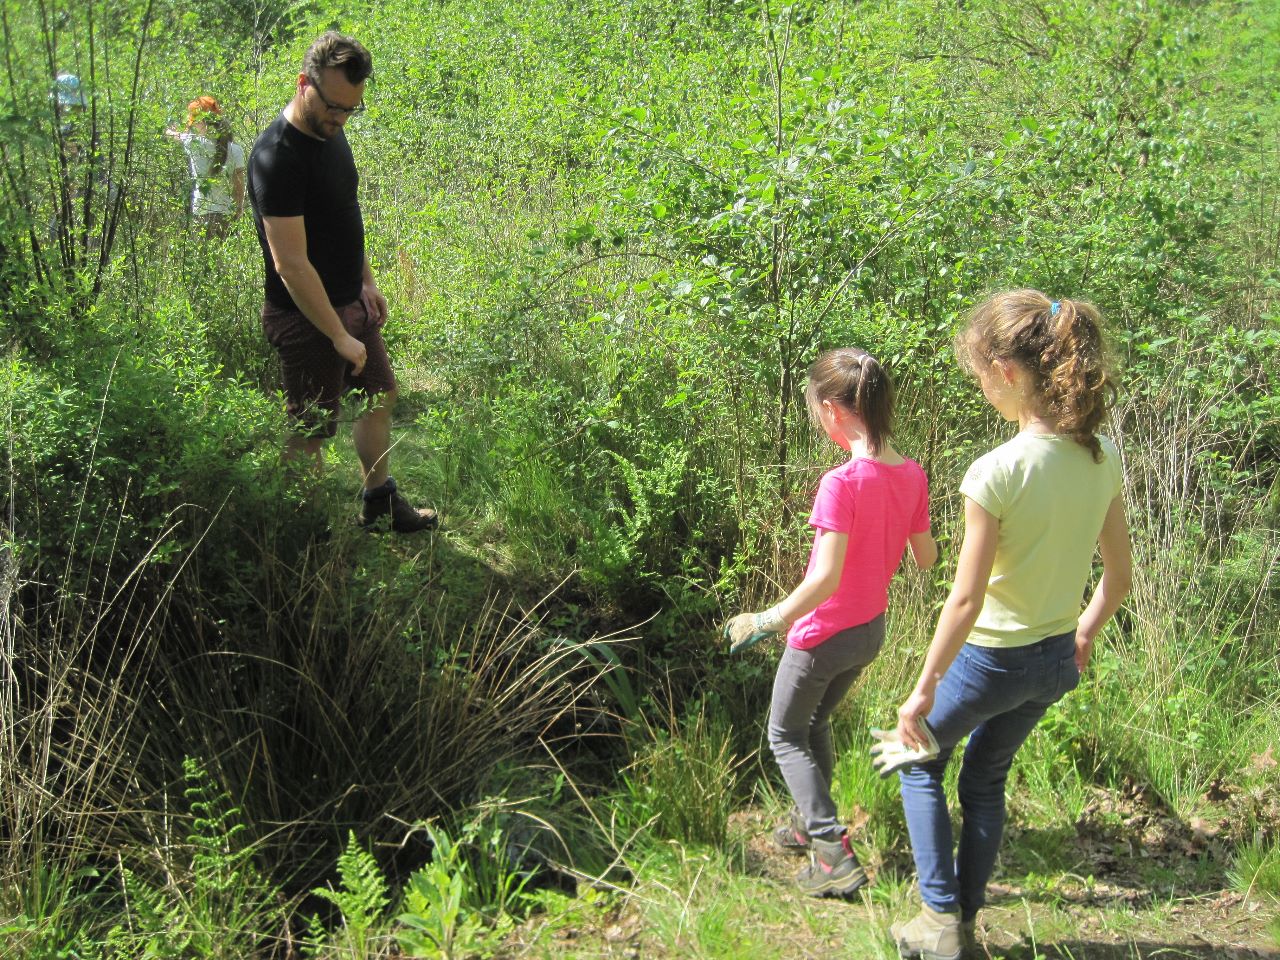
point(792, 836)
point(833, 870)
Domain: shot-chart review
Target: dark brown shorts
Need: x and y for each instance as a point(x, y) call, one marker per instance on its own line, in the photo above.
point(315, 375)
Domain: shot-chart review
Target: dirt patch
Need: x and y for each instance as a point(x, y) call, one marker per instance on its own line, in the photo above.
point(1224, 927)
point(1128, 855)
point(1128, 881)
point(762, 857)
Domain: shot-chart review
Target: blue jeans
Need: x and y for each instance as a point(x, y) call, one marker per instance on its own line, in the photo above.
point(997, 696)
point(808, 687)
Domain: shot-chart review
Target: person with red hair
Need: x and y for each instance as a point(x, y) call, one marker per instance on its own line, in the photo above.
point(217, 165)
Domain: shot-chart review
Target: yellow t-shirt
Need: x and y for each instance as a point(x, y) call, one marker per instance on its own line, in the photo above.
point(1050, 498)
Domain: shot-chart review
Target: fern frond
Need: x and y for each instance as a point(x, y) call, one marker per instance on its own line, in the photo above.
point(363, 895)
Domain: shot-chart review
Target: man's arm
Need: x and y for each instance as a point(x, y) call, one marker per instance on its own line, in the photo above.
point(375, 304)
point(287, 240)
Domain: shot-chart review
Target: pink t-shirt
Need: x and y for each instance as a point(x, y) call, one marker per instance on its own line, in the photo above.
point(878, 506)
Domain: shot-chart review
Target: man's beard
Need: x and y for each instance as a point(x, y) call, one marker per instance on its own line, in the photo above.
point(318, 123)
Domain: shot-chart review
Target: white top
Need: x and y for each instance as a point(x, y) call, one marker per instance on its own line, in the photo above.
point(212, 195)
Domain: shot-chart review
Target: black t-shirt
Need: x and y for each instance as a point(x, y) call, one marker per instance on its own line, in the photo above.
point(291, 175)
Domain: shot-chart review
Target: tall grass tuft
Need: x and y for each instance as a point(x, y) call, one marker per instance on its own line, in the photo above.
point(682, 781)
point(356, 707)
point(1255, 870)
point(199, 895)
point(1182, 693)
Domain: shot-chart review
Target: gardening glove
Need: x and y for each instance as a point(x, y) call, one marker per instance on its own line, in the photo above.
point(748, 629)
point(892, 754)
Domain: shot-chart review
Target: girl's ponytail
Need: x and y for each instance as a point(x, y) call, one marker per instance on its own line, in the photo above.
point(1060, 343)
point(856, 380)
point(1078, 384)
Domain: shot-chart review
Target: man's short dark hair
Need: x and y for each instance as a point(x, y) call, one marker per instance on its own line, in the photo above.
point(337, 51)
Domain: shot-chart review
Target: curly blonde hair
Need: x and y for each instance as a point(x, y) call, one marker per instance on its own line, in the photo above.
point(1060, 343)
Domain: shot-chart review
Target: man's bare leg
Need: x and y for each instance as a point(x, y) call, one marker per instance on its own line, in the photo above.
point(298, 447)
point(372, 436)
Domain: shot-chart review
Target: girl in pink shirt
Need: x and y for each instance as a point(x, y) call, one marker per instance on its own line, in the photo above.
point(866, 512)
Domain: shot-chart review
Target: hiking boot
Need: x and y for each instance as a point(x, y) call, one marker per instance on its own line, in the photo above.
point(833, 870)
point(970, 949)
point(385, 501)
point(792, 836)
point(930, 936)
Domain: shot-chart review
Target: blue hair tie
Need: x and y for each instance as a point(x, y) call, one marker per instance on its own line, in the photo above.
point(1053, 308)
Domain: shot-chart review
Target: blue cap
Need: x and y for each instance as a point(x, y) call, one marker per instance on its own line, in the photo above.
point(67, 91)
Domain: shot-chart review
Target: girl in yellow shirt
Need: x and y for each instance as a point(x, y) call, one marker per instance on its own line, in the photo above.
point(1012, 639)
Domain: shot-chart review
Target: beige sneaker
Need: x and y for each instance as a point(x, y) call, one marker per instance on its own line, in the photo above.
point(930, 936)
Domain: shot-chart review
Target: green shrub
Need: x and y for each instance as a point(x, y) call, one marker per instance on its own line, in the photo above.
point(461, 903)
point(361, 899)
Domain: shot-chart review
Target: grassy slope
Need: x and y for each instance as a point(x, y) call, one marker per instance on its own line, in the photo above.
point(1105, 872)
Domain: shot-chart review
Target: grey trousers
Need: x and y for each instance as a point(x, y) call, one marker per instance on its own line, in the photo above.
point(808, 687)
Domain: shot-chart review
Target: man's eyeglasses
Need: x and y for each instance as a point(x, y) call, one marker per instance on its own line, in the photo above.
point(335, 107)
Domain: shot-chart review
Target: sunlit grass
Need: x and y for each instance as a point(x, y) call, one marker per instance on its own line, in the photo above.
point(1255, 871)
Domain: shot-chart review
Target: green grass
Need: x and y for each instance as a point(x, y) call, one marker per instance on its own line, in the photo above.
point(682, 781)
point(699, 904)
point(1255, 871)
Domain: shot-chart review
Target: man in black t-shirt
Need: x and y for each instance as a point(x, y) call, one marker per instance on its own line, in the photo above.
point(323, 311)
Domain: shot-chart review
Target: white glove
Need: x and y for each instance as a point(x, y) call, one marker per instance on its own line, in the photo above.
point(747, 629)
point(892, 754)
